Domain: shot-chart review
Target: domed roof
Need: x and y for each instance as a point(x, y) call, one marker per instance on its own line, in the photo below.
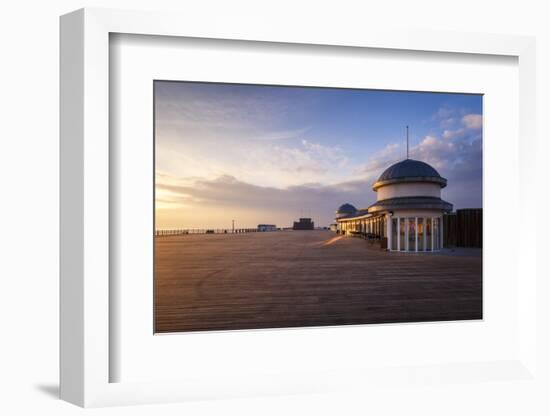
point(409, 170)
point(346, 209)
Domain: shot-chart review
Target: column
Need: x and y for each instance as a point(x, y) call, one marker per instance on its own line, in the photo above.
point(388, 230)
point(432, 233)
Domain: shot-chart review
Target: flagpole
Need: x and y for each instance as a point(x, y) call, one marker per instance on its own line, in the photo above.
point(407, 142)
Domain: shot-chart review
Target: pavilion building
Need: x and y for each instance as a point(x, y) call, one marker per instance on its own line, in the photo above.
point(408, 212)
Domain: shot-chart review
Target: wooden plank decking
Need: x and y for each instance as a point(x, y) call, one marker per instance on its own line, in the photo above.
point(306, 278)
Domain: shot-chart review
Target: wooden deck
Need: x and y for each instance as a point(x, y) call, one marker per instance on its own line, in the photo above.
point(306, 278)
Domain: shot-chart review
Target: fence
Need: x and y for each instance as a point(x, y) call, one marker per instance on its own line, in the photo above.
point(463, 228)
point(164, 233)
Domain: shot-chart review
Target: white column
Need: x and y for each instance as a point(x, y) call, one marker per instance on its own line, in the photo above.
point(416, 233)
point(432, 233)
point(388, 231)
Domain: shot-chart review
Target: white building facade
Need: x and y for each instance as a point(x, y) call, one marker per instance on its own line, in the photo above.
point(408, 213)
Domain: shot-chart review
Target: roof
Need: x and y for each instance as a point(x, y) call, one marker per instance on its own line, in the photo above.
point(411, 202)
point(357, 214)
point(409, 170)
point(346, 209)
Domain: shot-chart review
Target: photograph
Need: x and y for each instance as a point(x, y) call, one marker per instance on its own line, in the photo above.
point(296, 206)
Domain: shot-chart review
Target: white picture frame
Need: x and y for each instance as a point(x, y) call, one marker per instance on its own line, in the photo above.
point(85, 220)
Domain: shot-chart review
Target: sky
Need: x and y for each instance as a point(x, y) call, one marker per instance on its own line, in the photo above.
point(270, 154)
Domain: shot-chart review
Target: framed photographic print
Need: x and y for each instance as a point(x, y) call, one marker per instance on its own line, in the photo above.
point(252, 212)
point(268, 212)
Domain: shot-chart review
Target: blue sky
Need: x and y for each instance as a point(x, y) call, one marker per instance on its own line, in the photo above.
point(270, 154)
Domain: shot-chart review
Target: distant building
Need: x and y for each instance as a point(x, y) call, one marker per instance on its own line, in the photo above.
point(267, 227)
point(303, 224)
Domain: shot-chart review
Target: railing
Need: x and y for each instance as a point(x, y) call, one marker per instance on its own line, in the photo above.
point(365, 236)
point(164, 233)
point(372, 238)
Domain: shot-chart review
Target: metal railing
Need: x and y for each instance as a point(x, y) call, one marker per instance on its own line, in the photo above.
point(186, 231)
point(365, 236)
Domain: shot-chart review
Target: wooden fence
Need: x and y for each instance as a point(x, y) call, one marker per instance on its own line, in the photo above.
point(463, 228)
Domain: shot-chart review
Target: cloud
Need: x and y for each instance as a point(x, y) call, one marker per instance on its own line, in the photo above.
point(455, 118)
point(182, 106)
point(380, 160)
point(209, 132)
point(458, 157)
point(254, 157)
point(447, 117)
point(469, 122)
point(267, 174)
point(194, 200)
point(224, 198)
point(281, 134)
point(473, 121)
point(450, 134)
point(456, 154)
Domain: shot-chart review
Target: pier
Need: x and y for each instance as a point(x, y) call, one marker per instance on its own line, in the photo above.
point(306, 278)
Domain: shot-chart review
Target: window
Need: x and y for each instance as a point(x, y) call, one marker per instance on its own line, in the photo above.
point(412, 234)
point(421, 235)
point(394, 233)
